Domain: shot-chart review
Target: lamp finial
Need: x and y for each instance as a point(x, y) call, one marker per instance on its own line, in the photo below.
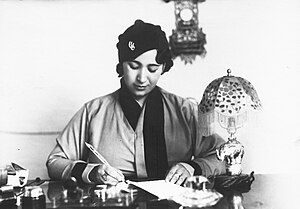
point(228, 72)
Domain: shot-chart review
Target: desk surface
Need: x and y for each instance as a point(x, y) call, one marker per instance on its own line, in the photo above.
point(273, 191)
point(268, 191)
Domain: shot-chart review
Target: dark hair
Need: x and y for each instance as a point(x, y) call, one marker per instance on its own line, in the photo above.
point(142, 37)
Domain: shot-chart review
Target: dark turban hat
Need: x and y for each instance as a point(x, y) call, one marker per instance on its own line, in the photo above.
point(142, 37)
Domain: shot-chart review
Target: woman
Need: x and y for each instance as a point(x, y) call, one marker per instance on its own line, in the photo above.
point(142, 130)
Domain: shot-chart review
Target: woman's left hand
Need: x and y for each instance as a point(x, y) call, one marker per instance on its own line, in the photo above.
point(178, 174)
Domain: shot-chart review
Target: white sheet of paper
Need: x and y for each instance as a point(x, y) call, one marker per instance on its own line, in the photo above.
point(159, 188)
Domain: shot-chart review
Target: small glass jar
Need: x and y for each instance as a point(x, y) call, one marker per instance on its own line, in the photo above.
point(100, 192)
point(33, 198)
point(3, 176)
point(198, 183)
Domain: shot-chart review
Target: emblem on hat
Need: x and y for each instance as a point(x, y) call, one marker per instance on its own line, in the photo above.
point(131, 45)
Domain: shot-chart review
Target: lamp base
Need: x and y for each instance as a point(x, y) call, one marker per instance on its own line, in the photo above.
point(235, 169)
point(241, 183)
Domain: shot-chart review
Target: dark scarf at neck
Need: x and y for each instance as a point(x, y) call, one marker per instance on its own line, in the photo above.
point(153, 129)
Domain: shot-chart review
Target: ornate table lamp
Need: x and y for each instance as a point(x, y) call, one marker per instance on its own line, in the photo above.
point(228, 101)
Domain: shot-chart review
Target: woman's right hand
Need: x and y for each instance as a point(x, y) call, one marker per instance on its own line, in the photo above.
point(105, 174)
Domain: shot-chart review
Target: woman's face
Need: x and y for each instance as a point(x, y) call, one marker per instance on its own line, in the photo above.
point(142, 74)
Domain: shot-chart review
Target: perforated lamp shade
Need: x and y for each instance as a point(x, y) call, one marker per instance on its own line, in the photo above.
point(224, 98)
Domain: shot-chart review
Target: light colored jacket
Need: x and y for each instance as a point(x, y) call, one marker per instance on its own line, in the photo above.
point(102, 123)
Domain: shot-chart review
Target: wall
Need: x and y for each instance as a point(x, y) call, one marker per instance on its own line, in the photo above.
point(56, 55)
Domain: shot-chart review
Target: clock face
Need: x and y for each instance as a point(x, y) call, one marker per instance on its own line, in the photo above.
point(186, 14)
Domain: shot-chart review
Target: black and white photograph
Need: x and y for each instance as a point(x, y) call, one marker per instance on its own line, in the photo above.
point(157, 104)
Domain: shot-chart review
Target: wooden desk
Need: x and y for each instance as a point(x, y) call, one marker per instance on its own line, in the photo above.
point(267, 192)
point(273, 191)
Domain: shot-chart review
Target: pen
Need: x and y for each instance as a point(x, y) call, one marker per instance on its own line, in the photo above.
point(98, 155)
